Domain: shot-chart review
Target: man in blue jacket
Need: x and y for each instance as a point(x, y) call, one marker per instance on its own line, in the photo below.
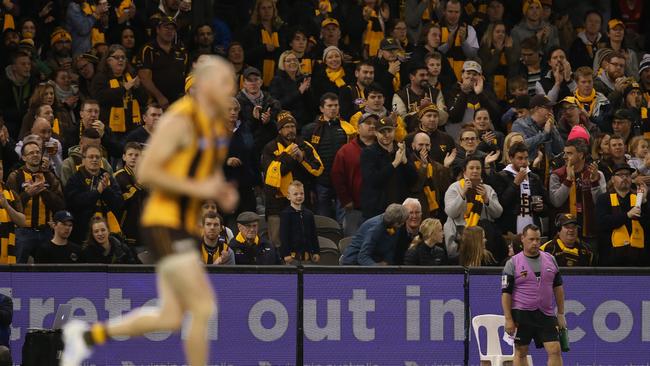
point(375, 241)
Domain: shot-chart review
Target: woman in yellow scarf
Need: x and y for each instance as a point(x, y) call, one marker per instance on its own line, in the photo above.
point(261, 39)
point(331, 76)
point(118, 91)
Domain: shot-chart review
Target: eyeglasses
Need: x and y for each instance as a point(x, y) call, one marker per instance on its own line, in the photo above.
point(468, 139)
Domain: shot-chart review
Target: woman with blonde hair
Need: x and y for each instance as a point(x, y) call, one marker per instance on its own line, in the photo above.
point(261, 38)
point(292, 88)
point(472, 248)
point(508, 141)
point(497, 54)
point(427, 248)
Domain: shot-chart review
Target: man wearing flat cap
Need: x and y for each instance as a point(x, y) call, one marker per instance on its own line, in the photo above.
point(248, 246)
point(623, 219)
point(285, 159)
point(566, 247)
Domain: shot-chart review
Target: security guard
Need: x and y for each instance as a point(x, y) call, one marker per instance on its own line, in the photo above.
point(567, 248)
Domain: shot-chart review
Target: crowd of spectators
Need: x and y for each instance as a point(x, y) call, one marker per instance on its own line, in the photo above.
point(432, 131)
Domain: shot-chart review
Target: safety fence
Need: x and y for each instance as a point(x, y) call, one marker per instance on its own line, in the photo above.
point(412, 316)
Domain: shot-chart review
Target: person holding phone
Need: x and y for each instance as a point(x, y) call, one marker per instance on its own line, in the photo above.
point(521, 192)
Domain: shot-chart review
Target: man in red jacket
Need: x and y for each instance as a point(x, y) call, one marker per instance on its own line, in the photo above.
point(346, 173)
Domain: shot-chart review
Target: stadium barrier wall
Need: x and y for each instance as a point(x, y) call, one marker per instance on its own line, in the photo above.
point(411, 316)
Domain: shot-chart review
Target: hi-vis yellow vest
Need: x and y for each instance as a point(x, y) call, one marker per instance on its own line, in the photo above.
point(117, 119)
point(620, 236)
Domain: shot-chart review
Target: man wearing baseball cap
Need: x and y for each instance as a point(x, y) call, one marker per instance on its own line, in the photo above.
point(258, 108)
point(566, 247)
point(389, 73)
point(285, 159)
point(539, 128)
point(162, 64)
point(615, 37)
point(468, 95)
point(59, 250)
point(346, 172)
point(622, 217)
point(571, 115)
point(622, 124)
point(386, 173)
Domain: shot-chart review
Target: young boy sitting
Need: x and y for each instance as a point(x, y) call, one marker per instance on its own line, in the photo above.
point(299, 243)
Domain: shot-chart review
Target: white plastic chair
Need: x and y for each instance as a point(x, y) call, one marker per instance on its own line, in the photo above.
point(492, 323)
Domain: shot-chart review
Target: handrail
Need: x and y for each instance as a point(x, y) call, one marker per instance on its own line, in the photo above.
point(625, 271)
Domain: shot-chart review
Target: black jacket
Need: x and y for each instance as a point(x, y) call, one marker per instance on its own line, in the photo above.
point(385, 79)
point(262, 133)
point(120, 253)
point(457, 102)
point(84, 200)
point(423, 255)
point(441, 143)
point(383, 184)
point(610, 218)
point(321, 84)
point(304, 171)
point(286, 91)
point(14, 101)
point(263, 253)
point(134, 197)
point(510, 198)
point(332, 137)
point(298, 232)
point(242, 147)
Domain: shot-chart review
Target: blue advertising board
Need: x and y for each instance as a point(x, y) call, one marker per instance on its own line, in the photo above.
point(255, 325)
point(365, 319)
point(608, 318)
point(383, 319)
